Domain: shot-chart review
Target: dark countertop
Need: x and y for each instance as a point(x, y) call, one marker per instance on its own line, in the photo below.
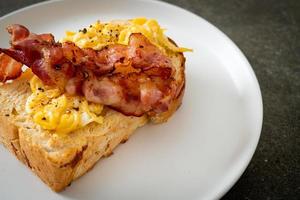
point(268, 32)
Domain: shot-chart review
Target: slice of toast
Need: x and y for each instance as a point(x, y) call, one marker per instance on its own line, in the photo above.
point(58, 160)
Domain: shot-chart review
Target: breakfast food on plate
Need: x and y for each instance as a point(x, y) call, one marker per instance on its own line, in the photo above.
point(80, 97)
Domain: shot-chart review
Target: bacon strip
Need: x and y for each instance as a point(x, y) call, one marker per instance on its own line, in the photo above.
point(134, 79)
point(9, 68)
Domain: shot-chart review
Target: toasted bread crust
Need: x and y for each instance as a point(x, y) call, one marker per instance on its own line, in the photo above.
point(59, 175)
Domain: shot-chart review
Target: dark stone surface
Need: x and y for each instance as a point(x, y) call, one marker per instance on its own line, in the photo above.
point(268, 32)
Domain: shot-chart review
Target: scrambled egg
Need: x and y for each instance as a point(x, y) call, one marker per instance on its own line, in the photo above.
point(53, 110)
point(98, 35)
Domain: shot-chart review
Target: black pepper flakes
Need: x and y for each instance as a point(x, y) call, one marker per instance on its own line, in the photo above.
point(57, 67)
point(41, 89)
point(84, 30)
point(44, 118)
point(6, 115)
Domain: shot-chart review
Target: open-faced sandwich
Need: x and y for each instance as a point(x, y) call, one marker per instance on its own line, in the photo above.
point(77, 99)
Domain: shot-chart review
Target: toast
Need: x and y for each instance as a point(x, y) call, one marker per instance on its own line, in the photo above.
point(58, 160)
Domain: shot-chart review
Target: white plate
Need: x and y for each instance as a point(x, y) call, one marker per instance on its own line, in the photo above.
point(204, 148)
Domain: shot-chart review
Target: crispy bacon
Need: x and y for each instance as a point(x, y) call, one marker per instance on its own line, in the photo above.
point(134, 79)
point(41, 54)
point(145, 55)
point(17, 32)
point(9, 68)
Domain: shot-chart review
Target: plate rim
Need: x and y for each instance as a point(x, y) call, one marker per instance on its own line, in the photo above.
point(231, 181)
